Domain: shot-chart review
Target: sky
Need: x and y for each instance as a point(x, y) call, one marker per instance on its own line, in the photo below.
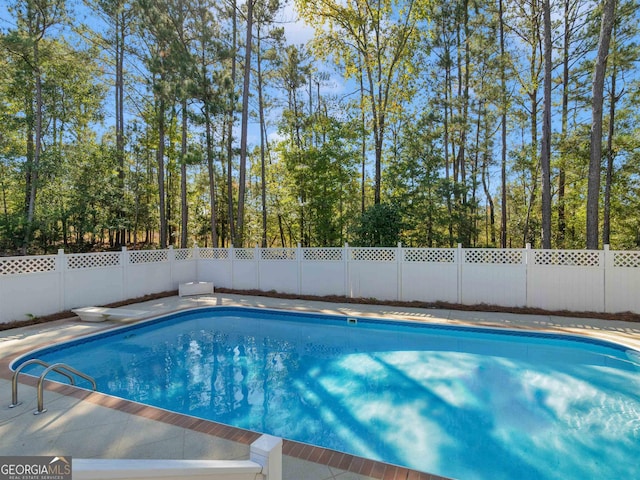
point(296, 30)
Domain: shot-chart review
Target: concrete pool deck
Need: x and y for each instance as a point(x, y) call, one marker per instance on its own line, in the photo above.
point(88, 425)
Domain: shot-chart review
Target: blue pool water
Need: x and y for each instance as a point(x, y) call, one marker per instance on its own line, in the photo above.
point(460, 402)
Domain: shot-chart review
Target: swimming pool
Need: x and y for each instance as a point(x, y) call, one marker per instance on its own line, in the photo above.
point(461, 402)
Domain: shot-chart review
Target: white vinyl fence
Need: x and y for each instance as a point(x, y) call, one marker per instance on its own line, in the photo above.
point(42, 285)
point(575, 280)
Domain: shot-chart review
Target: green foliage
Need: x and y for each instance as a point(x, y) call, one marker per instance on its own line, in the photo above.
point(380, 106)
point(319, 180)
point(380, 226)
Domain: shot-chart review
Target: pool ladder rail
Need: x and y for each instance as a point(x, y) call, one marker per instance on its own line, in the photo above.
point(61, 368)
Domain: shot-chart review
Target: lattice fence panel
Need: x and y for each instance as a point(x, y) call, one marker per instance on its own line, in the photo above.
point(183, 254)
point(373, 254)
point(626, 259)
point(93, 260)
point(148, 256)
point(278, 254)
point(568, 258)
point(244, 253)
point(322, 254)
point(214, 253)
point(10, 266)
point(429, 255)
point(494, 257)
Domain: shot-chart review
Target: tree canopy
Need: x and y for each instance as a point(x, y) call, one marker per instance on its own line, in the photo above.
point(151, 123)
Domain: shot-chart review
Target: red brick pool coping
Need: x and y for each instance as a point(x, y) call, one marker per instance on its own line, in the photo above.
point(302, 451)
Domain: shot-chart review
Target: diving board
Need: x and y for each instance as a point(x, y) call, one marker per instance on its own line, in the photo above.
point(100, 314)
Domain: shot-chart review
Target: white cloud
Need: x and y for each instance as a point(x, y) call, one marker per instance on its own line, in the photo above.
point(296, 30)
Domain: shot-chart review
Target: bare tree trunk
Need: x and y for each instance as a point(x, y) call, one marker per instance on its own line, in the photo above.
point(160, 161)
point(212, 177)
point(29, 169)
point(378, 134)
point(569, 22)
point(120, 27)
point(459, 158)
point(503, 153)
point(231, 113)
point(487, 193)
point(595, 162)
point(263, 172)
point(281, 229)
point(562, 223)
point(613, 99)
point(3, 188)
point(447, 82)
point(184, 205)
point(244, 127)
point(491, 228)
point(364, 143)
point(545, 153)
point(536, 168)
point(533, 95)
point(37, 149)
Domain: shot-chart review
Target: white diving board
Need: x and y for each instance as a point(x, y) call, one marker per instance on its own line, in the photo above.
point(100, 314)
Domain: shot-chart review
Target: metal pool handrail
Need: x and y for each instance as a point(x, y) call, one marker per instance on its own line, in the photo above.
point(61, 368)
point(16, 374)
point(56, 367)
